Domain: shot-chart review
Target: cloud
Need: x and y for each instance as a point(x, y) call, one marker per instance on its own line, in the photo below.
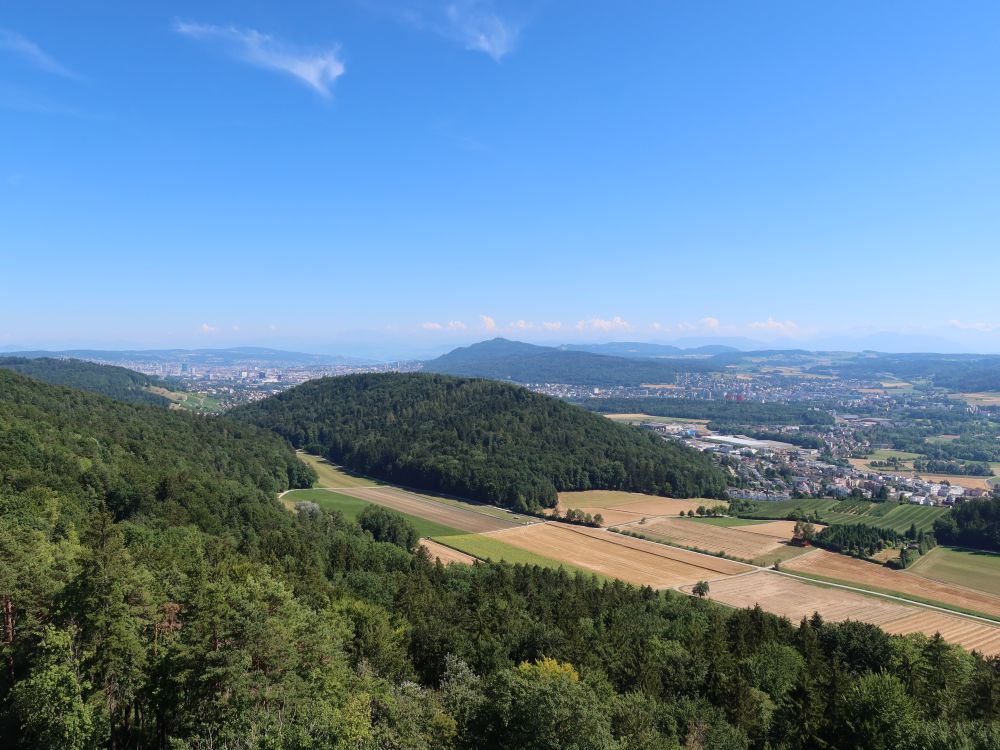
point(710, 322)
point(480, 28)
point(616, 323)
point(206, 328)
point(488, 323)
point(317, 69)
point(788, 326)
point(552, 326)
point(456, 325)
point(22, 47)
point(431, 326)
point(475, 24)
point(982, 327)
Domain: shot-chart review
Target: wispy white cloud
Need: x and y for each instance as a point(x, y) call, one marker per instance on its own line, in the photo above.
point(20, 46)
point(477, 25)
point(318, 69)
point(552, 325)
point(488, 323)
point(786, 326)
point(616, 323)
point(979, 326)
point(456, 325)
point(206, 328)
point(431, 326)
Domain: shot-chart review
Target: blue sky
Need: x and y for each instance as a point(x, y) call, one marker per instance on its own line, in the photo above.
point(329, 175)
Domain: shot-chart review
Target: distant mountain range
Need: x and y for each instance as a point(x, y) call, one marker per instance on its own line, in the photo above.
point(243, 355)
point(502, 359)
point(636, 349)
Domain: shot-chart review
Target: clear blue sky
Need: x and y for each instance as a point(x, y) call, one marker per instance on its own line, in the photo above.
point(320, 174)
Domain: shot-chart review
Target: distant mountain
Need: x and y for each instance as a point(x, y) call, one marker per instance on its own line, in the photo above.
point(501, 359)
point(242, 355)
point(640, 350)
point(488, 441)
point(116, 382)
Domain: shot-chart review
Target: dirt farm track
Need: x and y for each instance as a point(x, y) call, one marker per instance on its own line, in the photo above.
point(795, 599)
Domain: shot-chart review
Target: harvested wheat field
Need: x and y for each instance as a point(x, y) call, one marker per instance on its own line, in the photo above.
point(795, 599)
point(731, 540)
point(453, 516)
point(632, 560)
point(446, 555)
point(970, 634)
point(848, 569)
point(622, 507)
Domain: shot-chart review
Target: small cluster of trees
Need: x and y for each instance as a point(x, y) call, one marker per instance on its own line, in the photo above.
point(857, 540)
point(579, 517)
point(974, 523)
point(961, 468)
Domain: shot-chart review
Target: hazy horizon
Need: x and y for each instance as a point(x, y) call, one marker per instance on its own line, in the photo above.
point(222, 175)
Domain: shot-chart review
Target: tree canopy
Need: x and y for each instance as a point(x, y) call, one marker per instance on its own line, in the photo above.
point(480, 439)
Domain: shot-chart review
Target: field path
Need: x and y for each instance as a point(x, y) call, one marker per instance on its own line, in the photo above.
point(457, 517)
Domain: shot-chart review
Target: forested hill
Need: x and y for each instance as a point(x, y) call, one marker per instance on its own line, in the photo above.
point(156, 596)
point(481, 439)
point(501, 359)
point(119, 383)
point(82, 450)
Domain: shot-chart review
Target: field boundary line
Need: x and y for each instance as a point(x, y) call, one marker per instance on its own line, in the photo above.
point(611, 540)
point(893, 597)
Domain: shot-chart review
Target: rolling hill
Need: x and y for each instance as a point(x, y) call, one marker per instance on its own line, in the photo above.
point(501, 359)
point(118, 383)
point(489, 441)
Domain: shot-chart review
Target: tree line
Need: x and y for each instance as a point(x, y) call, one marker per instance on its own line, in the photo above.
point(157, 595)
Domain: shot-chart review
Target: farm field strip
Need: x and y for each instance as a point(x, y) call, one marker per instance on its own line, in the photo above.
point(447, 555)
point(795, 599)
point(970, 568)
point(635, 501)
point(447, 514)
point(902, 583)
point(890, 516)
point(352, 507)
point(732, 541)
point(331, 476)
point(631, 560)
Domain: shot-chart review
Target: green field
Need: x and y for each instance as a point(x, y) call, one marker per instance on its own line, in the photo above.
point(895, 516)
point(727, 521)
point(489, 548)
point(334, 476)
point(885, 454)
point(351, 507)
point(478, 545)
point(976, 570)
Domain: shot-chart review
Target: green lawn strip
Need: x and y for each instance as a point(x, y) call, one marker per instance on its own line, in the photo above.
point(334, 476)
point(351, 507)
point(891, 592)
point(339, 477)
point(780, 555)
point(727, 521)
point(969, 568)
point(489, 548)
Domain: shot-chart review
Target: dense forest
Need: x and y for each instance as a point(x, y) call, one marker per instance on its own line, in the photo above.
point(721, 414)
point(200, 614)
point(117, 382)
point(501, 359)
point(480, 439)
point(974, 523)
